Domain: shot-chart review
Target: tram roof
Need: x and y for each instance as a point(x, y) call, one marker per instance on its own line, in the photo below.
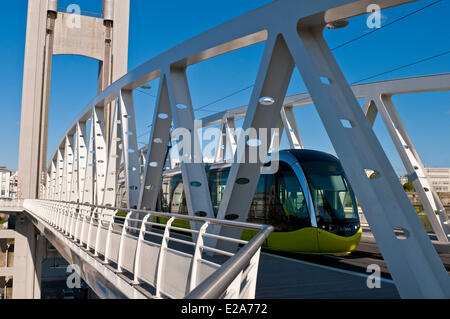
point(312, 155)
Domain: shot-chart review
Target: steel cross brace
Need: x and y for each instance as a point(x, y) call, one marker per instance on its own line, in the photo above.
point(64, 170)
point(378, 91)
point(157, 149)
point(227, 140)
point(386, 206)
point(195, 180)
point(174, 105)
point(413, 262)
point(100, 152)
point(129, 147)
point(290, 125)
point(73, 187)
point(297, 37)
point(68, 167)
point(53, 167)
point(111, 181)
point(82, 154)
point(88, 190)
point(272, 82)
point(59, 172)
point(383, 104)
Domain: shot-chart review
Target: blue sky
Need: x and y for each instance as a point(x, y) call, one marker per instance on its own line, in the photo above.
point(156, 26)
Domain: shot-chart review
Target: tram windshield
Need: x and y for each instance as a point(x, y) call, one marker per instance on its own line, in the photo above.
point(331, 192)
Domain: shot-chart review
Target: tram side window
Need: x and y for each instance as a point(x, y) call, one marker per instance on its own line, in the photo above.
point(257, 211)
point(178, 199)
point(288, 208)
point(218, 181)
point(165, 194)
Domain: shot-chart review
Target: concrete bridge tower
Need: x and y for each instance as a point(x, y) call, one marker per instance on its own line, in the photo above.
point(49, 33)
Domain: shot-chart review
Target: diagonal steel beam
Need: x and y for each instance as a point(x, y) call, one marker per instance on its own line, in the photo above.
point(413, 165)
point(129, 147)
point(88, 189)
point(82, 154)
point(157, 149)
point(113, 165)
point(263, 112)
point(60, 172)
point(383, 200)
point(195, 181)
point(290, 124)
point(73, 189)
point(53, 167)
point(100, 152)
point(68, 167)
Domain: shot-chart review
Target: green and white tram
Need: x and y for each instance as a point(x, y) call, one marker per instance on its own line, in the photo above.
point(309, 202)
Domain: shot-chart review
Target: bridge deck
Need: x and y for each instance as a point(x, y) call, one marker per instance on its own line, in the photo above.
point(286, 278)
point(317, 276)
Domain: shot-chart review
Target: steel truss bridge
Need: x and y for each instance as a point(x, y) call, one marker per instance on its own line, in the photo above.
point(135, 251)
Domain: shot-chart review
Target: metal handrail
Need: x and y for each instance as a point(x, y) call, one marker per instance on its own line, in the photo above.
point(78, 222)
point(214, 221)
point(215, 286)
point(10, 202)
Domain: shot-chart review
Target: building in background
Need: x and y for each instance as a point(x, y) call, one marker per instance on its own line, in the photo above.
point(13, 188)
point(8, 183)
point(5, 180)
point(439, 178)
point(403, 179)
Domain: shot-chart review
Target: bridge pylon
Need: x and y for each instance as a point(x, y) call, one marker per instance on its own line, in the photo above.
point(51, 32)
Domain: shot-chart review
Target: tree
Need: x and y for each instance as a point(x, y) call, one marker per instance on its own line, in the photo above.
point(409, 187)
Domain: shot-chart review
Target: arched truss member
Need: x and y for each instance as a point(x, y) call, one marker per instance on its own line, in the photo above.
point(377, 100)
point(292, 32)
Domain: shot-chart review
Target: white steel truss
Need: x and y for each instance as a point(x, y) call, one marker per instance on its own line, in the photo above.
point(295, 40)
point(227, 140)
point(290, 125)
point(111, 181)
point(413, 165)
point(157, 149)
point(376, 93)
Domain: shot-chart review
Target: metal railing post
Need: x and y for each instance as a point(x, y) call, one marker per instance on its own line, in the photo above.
point(122, 239)
point(99, 227)
point(162, 253)
point(251, 277)
point(216, 284)
point(137, 258)
point(108, 238)
point(197, 255)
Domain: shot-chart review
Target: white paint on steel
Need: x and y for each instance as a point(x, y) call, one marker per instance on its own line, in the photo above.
point(80, 228)
point(296, 38)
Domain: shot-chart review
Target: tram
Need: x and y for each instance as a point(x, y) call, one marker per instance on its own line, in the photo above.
point(308, 201)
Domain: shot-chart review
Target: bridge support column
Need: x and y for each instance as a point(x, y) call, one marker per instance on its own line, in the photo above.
point(51, 32)
point(28, 255)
